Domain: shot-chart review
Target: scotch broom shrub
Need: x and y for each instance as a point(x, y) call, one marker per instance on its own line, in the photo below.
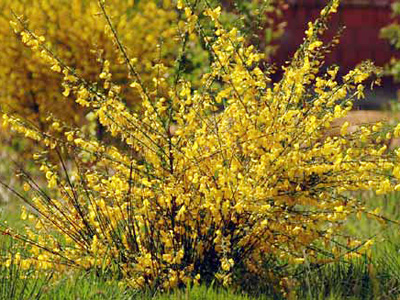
point(77, 30)
point(254, 185)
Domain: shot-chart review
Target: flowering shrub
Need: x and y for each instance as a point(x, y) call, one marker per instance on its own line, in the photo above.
point(76, 27)
point(255, 182)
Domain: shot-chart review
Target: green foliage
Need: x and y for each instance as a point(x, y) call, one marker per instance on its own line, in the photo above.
point(392, 34)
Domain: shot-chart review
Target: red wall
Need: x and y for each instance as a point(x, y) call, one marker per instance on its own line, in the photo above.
point(360, 40)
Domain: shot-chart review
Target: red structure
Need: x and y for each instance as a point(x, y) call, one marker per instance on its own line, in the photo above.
point(360, 40)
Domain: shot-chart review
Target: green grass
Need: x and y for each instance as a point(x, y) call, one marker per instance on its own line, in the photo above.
point(364, 278)
point(377, 277)
point(89, 286)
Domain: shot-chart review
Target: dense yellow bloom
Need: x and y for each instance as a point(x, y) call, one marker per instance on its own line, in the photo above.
point(77, 29)
point(258, 179)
